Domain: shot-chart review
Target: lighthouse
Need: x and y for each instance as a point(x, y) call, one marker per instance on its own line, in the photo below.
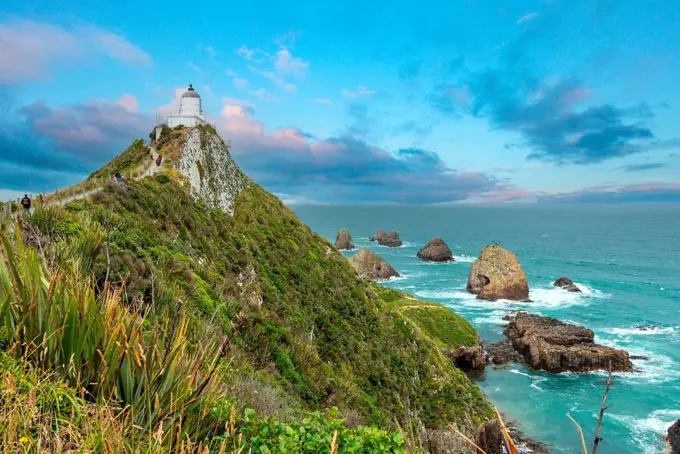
point(190, 110)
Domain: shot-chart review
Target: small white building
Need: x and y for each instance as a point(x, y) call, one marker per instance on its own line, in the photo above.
point(190, 111)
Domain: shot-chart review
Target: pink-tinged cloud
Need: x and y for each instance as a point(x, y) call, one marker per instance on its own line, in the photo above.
point(92, 130)
point(631, 193)
point(31, 50)
point(345, 169)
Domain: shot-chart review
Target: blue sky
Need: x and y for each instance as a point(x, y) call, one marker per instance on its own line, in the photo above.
point(470, 101)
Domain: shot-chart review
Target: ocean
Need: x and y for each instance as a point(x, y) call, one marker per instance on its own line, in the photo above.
point(626, 259)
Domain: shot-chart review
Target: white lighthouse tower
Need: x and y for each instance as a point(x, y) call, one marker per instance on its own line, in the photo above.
point(190, 110)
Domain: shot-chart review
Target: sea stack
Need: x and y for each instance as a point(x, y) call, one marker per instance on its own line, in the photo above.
point(497, 274)
point(549, 344)
point(369, 265)
point(436, 250)
point(568, 284)
point(344, 241)
point(379, 235)
point(390, 239)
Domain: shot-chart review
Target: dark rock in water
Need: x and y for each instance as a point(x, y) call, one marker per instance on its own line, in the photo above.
point(343, 240)
point(468, 359)
point(640, 357)
point(566, 283)
point(436, 250)
point(554, 346)
point(646, 327)
point(497, 274)
point(369, 265)
point(380, 234)
point(501, 353)
point(390, 239)
point(674, 436)
point(521, 441)
point(489, 437)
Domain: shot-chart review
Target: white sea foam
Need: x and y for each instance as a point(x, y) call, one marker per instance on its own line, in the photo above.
point(649, 331)
point(655, 369)
point(650, 431)
point(464, 258)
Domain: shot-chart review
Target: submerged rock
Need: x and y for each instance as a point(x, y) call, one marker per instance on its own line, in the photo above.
point(554, 346)
point(379, 235)
point(390, 239)
point(566, 283)
point(497, 274)
point(343, 240)
point(674, 436)
point(436, 250)
point(369, 265)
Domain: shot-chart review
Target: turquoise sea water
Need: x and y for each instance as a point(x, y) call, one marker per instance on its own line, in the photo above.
point(627, 261)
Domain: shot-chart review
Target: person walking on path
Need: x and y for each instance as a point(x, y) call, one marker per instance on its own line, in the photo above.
point(118, 176)
point(26, 203)
point(159, 159)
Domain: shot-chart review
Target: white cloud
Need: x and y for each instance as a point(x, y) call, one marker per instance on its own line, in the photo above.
point(245, 52)
point(527, 17)
point(358, 92)
point(239, 82)
point(288, 64)
point(196, 68)
point(30, 50)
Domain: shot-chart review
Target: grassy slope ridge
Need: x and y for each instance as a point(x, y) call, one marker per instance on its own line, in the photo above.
point(320, 336)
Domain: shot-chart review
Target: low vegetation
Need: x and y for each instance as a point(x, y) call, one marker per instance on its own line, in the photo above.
point(269, 325)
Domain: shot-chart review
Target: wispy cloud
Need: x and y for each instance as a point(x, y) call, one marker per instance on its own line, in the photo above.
point(238, 81)
point(197, 69)
point(279, 66)
point(263, 94)
point(527, 17)
point(644, 167)
point(327, 101)
point(31, 50)
point(608, 194)
point(359, 92)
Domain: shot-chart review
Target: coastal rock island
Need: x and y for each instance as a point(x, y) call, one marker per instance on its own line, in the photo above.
point(568, 284)
point(497, 274)
point(548, 344)
point(344, 241)
point(369, 265)
point(436, 250)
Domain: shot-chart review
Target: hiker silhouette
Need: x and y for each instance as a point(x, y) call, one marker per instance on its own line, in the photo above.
point(26, 202)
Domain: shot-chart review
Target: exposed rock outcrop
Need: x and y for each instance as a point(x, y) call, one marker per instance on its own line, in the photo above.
point(468, 359)
point(213, 175)
point(379, 235)
point(343, 240)
point(501, 353)
point(497, 274)
point(554, 346)
point(566, 283)
point(674, 436)
point(390, 239)
point(369, 265)
point(436, 250)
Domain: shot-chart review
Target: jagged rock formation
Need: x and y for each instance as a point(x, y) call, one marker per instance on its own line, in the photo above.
point(497, 274)
point(391, 239)
point(501, 353)
point(369, 265)
point(566, 283)
point(436, 250)
point(379, 235)
point(343, 240)
point(212, 173)
point(554, 346)
point(674, 436)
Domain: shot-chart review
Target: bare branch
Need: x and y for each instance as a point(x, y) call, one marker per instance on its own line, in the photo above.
point(603, 408)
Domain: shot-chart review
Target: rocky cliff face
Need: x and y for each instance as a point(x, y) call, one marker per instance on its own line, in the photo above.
point(212, 173)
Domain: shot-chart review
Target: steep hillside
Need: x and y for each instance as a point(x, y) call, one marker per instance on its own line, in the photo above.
point(304, 332)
